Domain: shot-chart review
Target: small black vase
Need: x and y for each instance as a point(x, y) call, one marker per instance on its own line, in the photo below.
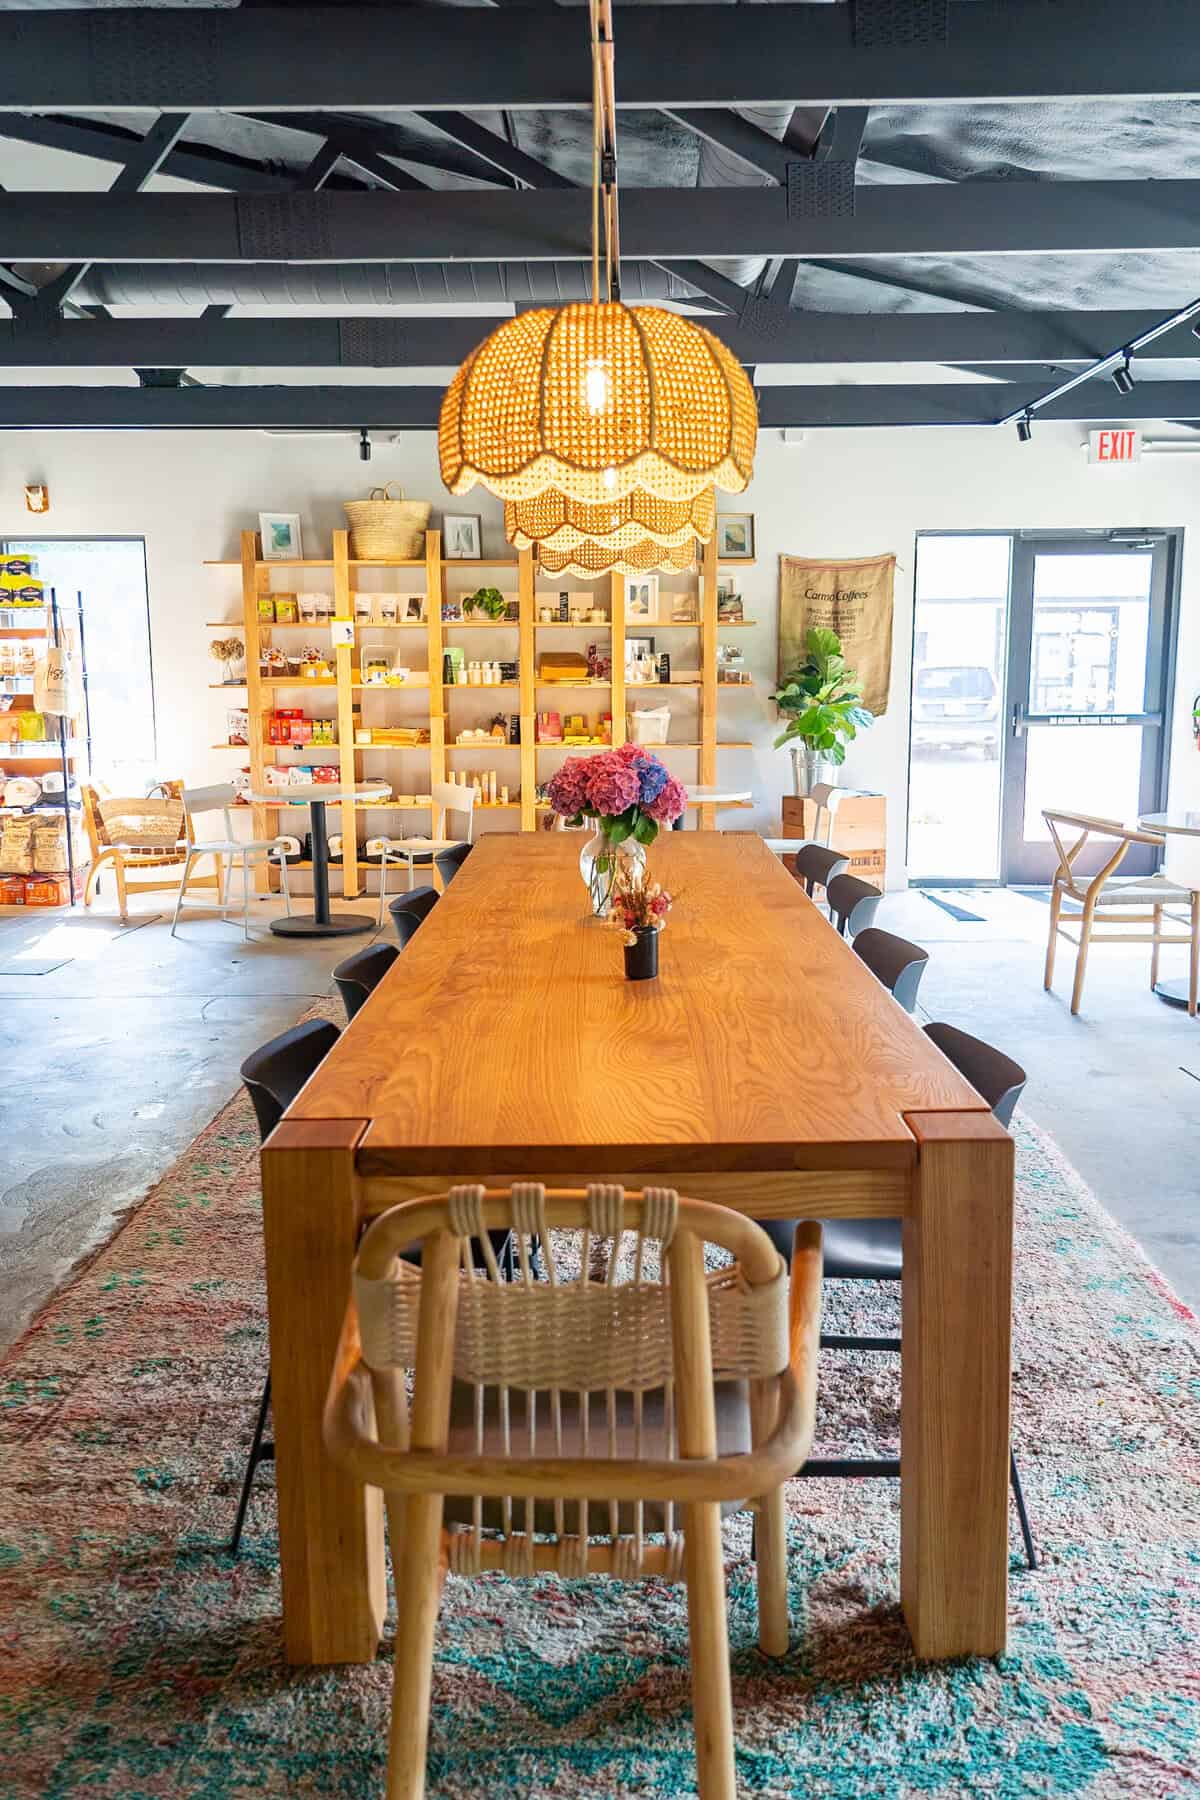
point(641, 958)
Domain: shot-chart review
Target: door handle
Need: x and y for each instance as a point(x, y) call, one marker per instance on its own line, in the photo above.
point(1018, 719)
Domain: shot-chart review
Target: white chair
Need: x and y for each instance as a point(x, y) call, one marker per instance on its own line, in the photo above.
point(447, 798)
point(247, 852)
point(826, 797)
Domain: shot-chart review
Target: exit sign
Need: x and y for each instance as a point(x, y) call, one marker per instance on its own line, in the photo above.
point(1114, 446)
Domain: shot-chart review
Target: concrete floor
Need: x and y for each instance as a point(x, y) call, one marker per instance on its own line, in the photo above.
point(116, 1059)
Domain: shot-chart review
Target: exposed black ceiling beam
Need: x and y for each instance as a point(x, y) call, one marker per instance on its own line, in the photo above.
point(842, 136)
point(970, 218)
point(416, 408)
point(105, 142)
point(709, 282)
point(1001, 343)
point(385, 137)
point(141, 162)
point(505, 158)
point(383, 173)
point(729, 131)
point(689, 55)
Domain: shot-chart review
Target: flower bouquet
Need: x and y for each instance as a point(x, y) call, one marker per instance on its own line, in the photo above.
point(629, 794)
point(639, 910)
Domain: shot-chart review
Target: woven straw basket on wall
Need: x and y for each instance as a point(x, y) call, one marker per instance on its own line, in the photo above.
point(387, 526)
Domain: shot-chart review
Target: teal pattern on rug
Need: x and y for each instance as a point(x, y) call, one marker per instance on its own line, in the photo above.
point(138, 1660)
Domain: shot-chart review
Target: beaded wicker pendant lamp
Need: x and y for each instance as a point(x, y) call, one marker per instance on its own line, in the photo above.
point(559, 524)
point(588, 559)
point(596, 401)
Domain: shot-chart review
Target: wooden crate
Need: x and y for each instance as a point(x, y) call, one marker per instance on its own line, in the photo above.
point(859, 831)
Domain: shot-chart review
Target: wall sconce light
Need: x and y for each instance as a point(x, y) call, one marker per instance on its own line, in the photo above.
point(37, 497)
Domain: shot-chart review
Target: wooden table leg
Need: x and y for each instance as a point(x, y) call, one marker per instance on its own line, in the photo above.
point(330, 1528)
point(954, 1422)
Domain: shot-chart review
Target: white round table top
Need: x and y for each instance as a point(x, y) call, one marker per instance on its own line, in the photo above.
point(714, 796)
point(297, 795)
point(1179, 820)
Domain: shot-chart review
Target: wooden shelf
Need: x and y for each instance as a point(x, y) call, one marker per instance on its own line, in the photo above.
point(479, 562)
point(490, 745)
point(386, 562)
point(296, 681)
point(737, 562)
point(478, 687)
point(669, 687)
point(558, 625)
point(283, 562)
point(390, 625)
point(569, 686)
point(481, 625)
point(386, 687)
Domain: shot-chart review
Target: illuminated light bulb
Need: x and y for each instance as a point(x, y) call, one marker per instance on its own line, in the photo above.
point(610, 477)
point(596, 387)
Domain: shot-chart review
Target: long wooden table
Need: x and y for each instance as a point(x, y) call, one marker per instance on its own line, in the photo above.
point(764, 1068)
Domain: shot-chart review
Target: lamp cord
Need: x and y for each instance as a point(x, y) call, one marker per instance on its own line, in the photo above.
point(604, 153)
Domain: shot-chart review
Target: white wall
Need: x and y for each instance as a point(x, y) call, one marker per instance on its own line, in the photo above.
point(839, 493)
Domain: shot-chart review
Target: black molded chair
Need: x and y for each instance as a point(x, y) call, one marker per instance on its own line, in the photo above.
point(871, 1249)
point(852, 903)
point(892, 960)
point(449, 862)
point(411, 910)
point(816, 866)
point(273, 1076)
point(359, 975)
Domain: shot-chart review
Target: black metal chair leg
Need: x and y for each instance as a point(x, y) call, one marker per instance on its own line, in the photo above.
point(252, 1461)
point(1031, 1555)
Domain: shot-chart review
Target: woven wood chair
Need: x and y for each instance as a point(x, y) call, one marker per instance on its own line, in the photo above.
point(136, 834)
point(573, 1421)
point(1078, 900)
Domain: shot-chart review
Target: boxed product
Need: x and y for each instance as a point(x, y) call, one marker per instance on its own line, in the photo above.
point(15, 565)
point(12, 890)
point(266, 609)
point(327, 773)
point(31, 728)
point(51, 890)
point(287, 609)
point(237, 723)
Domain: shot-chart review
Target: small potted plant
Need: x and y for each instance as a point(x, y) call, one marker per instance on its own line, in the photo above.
point(487, 600)
point(822, 701)
point(639, 910)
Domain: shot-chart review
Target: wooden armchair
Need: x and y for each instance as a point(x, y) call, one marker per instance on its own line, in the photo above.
point(1126, 900)
point(561, 1422)
point(136, 834)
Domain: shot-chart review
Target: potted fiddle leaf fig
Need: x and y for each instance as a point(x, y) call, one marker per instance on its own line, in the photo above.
point(821, 700)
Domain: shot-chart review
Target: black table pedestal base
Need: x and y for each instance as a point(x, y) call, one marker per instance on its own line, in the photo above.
point(304, 925)
point(1175, 993)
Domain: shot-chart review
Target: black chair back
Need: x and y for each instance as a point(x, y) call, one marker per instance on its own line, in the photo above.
point(410, 910)
point(449, 862)
point(276, 1071)
point(816, 866)
point(997, 1077)
point(852, 903)
point(359, 975)
point(895, 962)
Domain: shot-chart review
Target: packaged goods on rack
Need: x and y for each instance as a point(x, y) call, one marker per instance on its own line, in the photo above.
point(16, 846)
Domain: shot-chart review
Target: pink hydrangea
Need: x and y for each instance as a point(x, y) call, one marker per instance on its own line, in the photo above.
point(567, 791)
point(612, 785)
point(670, 804)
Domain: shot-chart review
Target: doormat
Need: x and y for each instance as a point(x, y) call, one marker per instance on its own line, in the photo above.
point(139, 1658)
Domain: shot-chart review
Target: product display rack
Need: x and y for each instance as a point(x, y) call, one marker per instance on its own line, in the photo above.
point(528, 758)
point(68, 752)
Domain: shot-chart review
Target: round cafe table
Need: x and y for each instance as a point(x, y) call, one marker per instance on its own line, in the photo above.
point(320, 922)
point(1181, 828)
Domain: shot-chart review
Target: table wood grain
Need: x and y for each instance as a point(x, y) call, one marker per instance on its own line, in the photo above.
point(506, 1039)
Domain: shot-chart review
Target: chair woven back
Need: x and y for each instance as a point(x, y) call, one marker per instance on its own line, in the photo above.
point(584, 1375)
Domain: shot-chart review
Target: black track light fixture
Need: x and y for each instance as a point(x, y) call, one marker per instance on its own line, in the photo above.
point(364, 444)
point(1024, 428)
point(1122, 378)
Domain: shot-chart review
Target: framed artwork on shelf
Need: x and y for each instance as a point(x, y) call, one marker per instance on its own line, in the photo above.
point(735, 535)
point(414, 609)
point(280, 534)
point(641, 599)
point(638, 646)
point(461, 536)
point(729, 602)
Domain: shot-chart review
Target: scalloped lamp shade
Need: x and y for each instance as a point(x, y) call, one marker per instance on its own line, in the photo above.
point(559, 524)
point(589, 560)
point(595, 401)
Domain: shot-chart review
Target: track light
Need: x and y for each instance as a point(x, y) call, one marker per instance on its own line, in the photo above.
point(1122, 378)
point(364, 444)
point(1024, 428)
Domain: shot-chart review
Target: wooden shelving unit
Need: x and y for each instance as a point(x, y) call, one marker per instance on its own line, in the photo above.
point(346, 683)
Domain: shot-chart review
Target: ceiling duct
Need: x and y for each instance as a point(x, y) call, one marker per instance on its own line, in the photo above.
point(721, 168)
point(362, 284)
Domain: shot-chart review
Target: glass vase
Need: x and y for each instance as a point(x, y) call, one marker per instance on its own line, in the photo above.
point(598, 863)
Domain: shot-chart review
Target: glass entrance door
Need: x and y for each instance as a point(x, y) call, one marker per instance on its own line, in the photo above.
point(1086, 689)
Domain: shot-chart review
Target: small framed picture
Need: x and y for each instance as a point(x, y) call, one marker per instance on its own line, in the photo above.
point(280, 534)
point(641, 598)
point(413, 609)
point(461, 536)
point(735, 535)
point(638, 646)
